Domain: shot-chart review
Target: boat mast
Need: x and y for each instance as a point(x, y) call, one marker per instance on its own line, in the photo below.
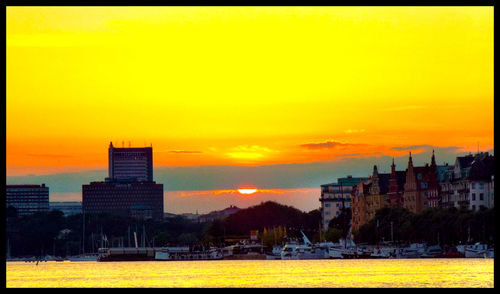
point(83, 233)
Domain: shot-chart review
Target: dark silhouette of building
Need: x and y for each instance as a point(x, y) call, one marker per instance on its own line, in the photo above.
point(28, 199)
point(130, 163)
point(124, 197)
point(129, 189)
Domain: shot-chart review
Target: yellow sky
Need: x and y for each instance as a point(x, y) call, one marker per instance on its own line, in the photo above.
point(243, 85)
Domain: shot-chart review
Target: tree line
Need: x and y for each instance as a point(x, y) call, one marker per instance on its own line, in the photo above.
point(443, 226)
point(53, 233)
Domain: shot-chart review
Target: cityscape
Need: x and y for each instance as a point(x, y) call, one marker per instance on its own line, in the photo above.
point(293, 147)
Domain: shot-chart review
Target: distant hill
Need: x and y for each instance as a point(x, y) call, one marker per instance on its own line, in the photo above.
point(219, 214)
point(271, 214)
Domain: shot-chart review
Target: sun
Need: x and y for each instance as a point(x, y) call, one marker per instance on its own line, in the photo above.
point(247, 191)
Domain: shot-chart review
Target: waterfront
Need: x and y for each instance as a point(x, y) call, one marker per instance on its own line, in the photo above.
point(256, 273)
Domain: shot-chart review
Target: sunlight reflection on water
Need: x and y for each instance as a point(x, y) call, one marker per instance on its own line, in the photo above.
point(256, 273)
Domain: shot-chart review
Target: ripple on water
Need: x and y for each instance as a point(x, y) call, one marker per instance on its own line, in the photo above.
point(256, 273)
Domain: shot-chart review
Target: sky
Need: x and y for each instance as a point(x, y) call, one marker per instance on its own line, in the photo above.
point(297, 95)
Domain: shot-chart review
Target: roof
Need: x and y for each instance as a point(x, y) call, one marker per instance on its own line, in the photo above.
point(482, 168)
point(465, 161)
point(383, 182)
point(27, 186)
point(401, 177)
point(349, 181)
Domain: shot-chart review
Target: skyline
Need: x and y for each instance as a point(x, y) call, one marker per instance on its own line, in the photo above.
point(216, 187)
point(244, 86)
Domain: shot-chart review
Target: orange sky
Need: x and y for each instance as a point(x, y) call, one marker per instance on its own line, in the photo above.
point(243, 85)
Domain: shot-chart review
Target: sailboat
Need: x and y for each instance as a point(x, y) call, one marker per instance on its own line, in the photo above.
point(307, 250)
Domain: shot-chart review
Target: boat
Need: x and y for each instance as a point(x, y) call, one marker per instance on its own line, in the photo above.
point(307, 250)
point(452, 253)
point(434, 251)
point(336, 250)
point(84, 257)
point(357, 253)
point(415, 250)
point(126, 254)
point(275, 253)
point(244, 251)
point(382, 252)
point(490, 253)
point(165, 254)
point(477, 250)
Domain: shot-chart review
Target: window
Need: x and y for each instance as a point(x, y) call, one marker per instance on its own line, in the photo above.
point(481, 186)
point(419, 176)
point(473, 207)
point(327, 204)
point(327, 213)
point(473, 185)
point(473, 196)
point(481, 196)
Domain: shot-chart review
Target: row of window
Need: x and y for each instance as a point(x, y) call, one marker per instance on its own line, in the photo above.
point(481, 196)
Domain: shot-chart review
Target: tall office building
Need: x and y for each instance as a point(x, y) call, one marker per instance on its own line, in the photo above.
point(130, 163)
point(137, 199)
point(129, 189)
point(28, 199)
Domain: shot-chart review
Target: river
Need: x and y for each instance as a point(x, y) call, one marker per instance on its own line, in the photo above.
point(462, 272)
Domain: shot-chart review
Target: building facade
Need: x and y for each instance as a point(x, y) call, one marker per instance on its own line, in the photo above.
point(358, 204)
point(129, 189)
point(28, 199)
point(377, 194)
point(137, 199)
point(130, 163)
point(335, 197)
point(421, 188)
point(396, 186)
point(469, 183)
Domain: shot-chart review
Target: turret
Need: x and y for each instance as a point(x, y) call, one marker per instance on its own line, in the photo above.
point(433, 159)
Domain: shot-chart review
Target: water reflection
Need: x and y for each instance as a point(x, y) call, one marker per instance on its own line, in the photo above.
point(256, 273)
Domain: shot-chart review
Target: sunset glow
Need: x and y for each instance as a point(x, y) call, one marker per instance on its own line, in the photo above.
point(247, 191)
point(244, 85)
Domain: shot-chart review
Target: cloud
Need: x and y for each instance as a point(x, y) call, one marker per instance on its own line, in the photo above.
point(425, 147)
point(326, 145)
point(354, 131)
point(248, 152)
point(49, 155)
point(183, 151)
point(407, 107)
point(276, 176)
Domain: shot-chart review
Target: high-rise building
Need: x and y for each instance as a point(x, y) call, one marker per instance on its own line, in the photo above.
point(137, 199)
point(28, 199)
point(129, 189)
point(130, 163)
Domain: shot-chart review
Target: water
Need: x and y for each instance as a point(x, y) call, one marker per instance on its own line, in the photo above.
point(256, 273)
